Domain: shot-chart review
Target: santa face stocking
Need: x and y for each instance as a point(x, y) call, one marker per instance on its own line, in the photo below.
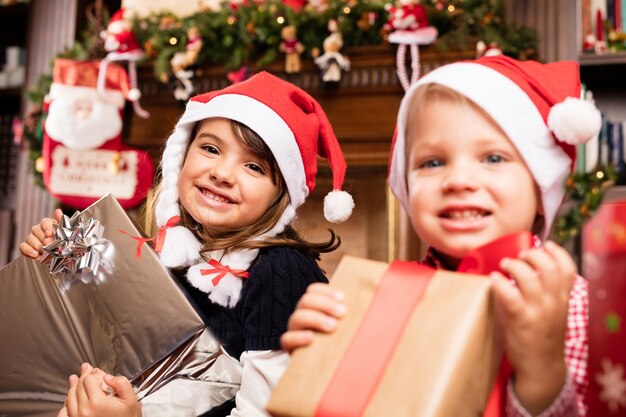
point(84, 156)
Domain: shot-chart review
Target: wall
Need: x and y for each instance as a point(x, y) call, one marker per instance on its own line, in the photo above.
point(52, 28)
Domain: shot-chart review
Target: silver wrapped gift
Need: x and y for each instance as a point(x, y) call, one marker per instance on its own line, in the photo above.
point(95, 301)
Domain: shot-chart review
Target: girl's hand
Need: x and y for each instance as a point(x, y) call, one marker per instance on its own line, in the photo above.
point(318, 310)
point(40, 235)
point(534, 320)
point(86, 397)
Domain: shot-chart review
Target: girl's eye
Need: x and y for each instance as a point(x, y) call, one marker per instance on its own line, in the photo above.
point(494, 159)
point(211, 149)
point(430, 163)
point(255, 167)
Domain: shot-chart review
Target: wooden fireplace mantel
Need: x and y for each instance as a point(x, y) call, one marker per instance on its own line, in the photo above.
point(362, 109)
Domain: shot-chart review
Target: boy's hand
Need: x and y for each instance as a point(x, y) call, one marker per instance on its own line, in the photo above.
point(318, 310)
point(86, 396)
point(40, 235)
point(534, 318)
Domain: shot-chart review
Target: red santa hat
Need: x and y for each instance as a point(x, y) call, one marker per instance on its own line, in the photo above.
point(296, 130)
point(70, 78)
point(537, 105)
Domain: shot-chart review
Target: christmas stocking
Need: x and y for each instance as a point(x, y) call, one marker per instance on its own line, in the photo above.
point(83, 152)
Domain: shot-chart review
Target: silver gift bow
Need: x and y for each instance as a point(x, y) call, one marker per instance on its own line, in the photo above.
point(79, 251)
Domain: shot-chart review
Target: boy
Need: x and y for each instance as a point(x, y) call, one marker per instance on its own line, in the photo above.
point(482, 150)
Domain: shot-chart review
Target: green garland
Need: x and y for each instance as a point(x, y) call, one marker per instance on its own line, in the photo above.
point(584, 193)
point(250, 33)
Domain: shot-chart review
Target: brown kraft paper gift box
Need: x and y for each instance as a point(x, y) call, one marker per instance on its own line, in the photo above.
point(444, 363)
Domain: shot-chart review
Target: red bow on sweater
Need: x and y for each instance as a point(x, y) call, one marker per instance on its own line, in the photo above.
point(222, 270)
point(158, 239)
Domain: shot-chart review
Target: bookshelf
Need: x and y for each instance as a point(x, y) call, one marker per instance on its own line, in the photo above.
point(14, 19)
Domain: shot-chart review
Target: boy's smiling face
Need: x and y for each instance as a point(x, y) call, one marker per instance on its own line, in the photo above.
point(467, 183)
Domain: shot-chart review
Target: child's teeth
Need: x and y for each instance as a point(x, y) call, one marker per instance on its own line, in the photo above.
point(464, 214)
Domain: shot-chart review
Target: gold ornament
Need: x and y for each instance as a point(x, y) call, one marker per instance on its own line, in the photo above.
point(40, 165)
point(114, 165)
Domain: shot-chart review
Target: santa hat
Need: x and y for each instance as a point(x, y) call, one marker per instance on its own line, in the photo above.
point(296, 130)
point(79, 78)
point(536, 105)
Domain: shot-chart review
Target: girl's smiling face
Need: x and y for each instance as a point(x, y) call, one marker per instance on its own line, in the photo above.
point(467, 183)
point(223, 185)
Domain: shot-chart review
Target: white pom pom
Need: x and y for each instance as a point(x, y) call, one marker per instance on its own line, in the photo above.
point(180, 248)
point(574, 121)
point(338, 206)
point(134, 94)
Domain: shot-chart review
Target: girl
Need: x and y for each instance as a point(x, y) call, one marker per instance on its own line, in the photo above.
point(482, 151)
point(238, 164)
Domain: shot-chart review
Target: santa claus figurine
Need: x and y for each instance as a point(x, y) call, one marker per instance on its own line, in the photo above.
point(332, 62)
point(83, 153)
point(121, 45)
point(409, 25)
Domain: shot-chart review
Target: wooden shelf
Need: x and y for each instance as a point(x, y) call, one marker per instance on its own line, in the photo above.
point(618, 58)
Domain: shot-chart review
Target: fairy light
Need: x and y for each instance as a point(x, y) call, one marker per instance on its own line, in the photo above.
point(173, 41)
point(451, 8)
point(600, 174)
point(346, 10)
point(230, 20)
point(280, 20)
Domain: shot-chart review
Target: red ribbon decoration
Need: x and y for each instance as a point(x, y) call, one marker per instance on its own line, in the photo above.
point(222, 270)
point(356, 377)
point(158, 239)
point(484, 260)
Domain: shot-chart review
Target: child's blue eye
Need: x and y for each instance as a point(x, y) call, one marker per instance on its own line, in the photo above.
point(431, 163)
point(494, 159)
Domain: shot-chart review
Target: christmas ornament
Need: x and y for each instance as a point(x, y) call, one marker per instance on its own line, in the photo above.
point(409, 25)
point(121, 45)
point(332, 62)
point(84, 157)
point(183, 60)
point(239, 75)
point(292, 49)
point(491, 49)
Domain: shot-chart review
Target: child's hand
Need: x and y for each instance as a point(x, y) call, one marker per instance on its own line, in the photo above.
point(86, 396)
point(534, 319)
point(318, 310)
point(40, 235)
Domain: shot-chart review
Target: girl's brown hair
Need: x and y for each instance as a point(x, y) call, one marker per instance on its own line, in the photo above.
point(241, 238)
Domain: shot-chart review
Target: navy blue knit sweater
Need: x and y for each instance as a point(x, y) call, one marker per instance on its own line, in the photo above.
point(278, 278)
